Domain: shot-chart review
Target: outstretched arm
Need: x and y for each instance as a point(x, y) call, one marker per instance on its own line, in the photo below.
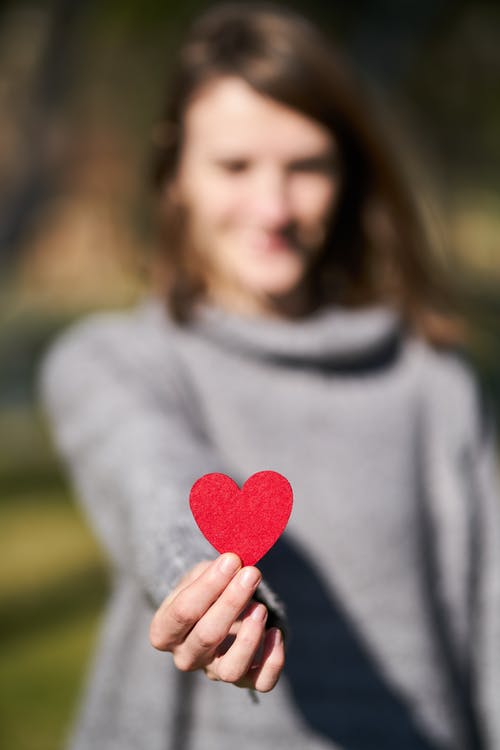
point(127, 426)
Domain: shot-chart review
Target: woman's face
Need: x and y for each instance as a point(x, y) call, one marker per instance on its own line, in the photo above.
point(259, 183)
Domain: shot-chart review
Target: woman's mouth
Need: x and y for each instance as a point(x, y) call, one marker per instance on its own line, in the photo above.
point(272, 242)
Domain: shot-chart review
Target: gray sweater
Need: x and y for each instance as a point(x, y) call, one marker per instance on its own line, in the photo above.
point(389, 567)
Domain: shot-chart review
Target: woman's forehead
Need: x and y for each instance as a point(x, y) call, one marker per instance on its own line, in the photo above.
point(228, 115)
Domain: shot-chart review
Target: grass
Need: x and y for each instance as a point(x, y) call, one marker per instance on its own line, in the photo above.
point(52, 589)
point(40, 679)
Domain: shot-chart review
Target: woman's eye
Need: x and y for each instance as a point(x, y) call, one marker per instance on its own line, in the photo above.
point(233, 166)
point(314, 166)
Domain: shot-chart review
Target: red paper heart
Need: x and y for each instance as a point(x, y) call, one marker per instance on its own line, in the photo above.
point(247, 521)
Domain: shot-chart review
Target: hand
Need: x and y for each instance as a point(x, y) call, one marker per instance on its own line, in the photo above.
point(209, 622)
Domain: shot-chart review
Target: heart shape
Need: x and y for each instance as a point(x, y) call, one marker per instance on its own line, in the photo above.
point(247, 521)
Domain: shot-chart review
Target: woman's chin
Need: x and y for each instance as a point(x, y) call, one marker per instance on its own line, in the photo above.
point(282, 297)
point(265, 290)
point(275, 283)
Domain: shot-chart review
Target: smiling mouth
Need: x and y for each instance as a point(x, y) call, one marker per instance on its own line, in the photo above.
point(276, 242)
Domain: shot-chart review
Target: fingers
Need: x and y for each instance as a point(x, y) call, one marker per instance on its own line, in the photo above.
point(201, 623)
point(202, 610)
point(191, 600)
point(190, 576)
point(264, 677)
point(255, 659)
point(193, 574)
point(235, 661)
point(201, 643)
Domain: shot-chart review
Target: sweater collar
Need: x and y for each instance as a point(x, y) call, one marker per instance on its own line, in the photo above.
point(333, 335)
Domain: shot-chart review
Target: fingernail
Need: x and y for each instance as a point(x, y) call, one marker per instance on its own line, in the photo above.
point(259, 614)
point(229, 564)
point(277, 637)
point(249, 578)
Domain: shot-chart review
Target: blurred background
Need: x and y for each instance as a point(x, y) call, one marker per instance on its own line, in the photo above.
point(81, 83)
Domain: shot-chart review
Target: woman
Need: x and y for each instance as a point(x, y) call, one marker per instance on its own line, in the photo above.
point(303, 332)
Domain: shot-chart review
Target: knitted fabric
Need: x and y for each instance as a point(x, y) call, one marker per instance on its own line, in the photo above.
point(389, 567)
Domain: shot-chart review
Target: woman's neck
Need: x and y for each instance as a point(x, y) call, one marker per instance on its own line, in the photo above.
point(298, 303)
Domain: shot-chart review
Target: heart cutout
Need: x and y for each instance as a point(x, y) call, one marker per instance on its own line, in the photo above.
point(247, 521)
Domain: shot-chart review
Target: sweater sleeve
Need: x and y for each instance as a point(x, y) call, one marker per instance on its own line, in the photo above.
point(486, 645)
point(125, 426)
point(463, 482)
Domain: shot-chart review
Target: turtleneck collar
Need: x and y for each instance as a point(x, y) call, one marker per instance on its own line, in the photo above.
point(333, 335)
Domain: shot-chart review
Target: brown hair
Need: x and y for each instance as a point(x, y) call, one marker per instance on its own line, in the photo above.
point(377, 249)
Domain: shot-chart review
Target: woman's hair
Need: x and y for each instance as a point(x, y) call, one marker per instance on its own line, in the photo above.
point(377, 249)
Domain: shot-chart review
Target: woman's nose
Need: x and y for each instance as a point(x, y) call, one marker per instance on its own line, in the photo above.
point(271, 202)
